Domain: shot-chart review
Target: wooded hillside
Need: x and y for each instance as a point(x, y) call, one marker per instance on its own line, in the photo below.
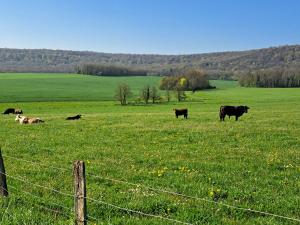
point(222, 65)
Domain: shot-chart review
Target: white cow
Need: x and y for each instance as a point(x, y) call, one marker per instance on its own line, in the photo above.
point(27, 120)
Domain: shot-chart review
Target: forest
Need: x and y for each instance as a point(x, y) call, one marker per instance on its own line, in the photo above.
point(221, 65)
point(271, 78)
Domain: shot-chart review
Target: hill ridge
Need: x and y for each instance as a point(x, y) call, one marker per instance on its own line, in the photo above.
point(57, 60)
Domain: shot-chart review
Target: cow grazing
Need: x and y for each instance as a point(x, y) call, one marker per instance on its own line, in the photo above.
point(181, 112)
point(13, 111)
point(236, 111)
point(73, 117)
point(28, 120)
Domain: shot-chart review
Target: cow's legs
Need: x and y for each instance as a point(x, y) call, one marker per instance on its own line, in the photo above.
point(236, 118)
point(221, 116)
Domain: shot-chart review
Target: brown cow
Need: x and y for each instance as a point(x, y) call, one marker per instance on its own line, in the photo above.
point(28, 120)
point(236, 111)
point(181, 112)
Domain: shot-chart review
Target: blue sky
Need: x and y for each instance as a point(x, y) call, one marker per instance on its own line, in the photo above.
point(149, 26)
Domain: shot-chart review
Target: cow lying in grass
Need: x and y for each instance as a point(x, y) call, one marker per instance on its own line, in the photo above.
point(236, 111)
point(73, 117)
point(181, 112)
point(28, 120)
point(13, 111)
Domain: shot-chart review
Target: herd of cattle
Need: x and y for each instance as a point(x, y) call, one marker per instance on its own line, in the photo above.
point(236, 111)
point(30, 120)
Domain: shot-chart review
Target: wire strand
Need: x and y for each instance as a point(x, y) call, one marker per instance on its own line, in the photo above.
point(198, 198)
point(38, 197)
point(38, 185)
point(42, 206)
point(36, 163)
point(137, 212)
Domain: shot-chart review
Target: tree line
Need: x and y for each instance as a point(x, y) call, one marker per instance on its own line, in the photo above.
point(191, 80)
point(108, 70)
point(271, 78)
point(147, 94)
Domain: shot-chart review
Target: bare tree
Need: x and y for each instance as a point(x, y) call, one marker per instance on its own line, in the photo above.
point(146, 93)
point(122, 93)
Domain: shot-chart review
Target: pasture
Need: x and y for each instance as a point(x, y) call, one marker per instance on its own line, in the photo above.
point(30, 87)
point(253, 163)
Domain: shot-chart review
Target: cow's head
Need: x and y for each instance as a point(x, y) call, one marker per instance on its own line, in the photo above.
point(18, 117)
point(246, 108)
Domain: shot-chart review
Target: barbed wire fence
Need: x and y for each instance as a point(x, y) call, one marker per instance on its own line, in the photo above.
point(79, 212)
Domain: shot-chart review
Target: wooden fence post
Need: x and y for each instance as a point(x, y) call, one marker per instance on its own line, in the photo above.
point(80, 193)
point(3, 185)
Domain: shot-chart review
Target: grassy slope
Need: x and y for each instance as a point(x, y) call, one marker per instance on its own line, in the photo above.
point(255, 161)
point(65, 87)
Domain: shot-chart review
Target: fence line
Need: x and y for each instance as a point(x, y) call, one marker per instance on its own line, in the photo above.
point(95, 200)
point(38, 185)
point(35, 205)
point(37, 163)
point(150, 188)
point(38, 197)
point(198, 198)
point(53, 203)
point(137, 212)
point(51, 210)
point(42, 206)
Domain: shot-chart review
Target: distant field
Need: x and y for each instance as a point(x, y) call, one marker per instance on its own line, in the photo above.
point(65, 87)
point(253, 163)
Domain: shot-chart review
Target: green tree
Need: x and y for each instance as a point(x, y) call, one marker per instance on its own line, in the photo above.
point(181, 86)
point(154, 94)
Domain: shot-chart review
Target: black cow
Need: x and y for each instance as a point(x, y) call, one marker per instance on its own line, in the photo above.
point(73, 117)
point(236, 111)
point(13, 111)
point(180, 112)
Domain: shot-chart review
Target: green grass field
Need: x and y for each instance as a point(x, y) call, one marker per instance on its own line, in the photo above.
point(65, 87)
point(252, 163)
